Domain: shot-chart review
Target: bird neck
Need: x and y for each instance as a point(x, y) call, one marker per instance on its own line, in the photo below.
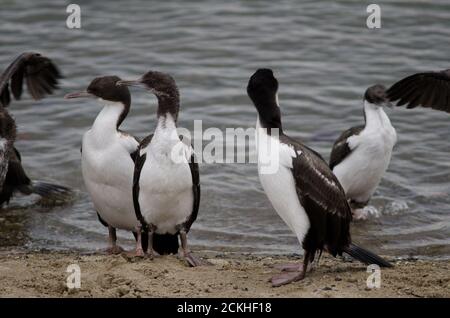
point(269, 115)
point(375, 116)
point(111, 116)
point(168, 104)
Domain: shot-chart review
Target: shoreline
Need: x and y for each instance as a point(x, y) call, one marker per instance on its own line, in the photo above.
point(44, 274)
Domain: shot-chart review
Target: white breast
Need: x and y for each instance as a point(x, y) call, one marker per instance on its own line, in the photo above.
point(166, 198)
point(361, 172)
point(107, 170)
point(279, 185)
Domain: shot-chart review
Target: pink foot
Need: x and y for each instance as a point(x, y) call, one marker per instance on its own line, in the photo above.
point(286, 278)
point(359, 214)
point(135, 253)
point(151, 254)
point(194, 261)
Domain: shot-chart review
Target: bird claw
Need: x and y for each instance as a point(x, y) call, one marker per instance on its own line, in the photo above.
point(194, 261)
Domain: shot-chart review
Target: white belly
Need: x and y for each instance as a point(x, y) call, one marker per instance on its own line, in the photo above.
point(361, 172)
point(166, 198)
point(108, 175)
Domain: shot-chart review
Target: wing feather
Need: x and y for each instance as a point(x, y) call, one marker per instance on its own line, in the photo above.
point(427, 89)
point(341, 148)
point(323, 199)
point(39, 72)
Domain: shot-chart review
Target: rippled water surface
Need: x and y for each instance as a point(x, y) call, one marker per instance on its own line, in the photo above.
point(324, 57)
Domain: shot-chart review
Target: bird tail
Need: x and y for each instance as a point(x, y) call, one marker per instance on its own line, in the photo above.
point(366, 256)
point(50, 191)
point(165, 243)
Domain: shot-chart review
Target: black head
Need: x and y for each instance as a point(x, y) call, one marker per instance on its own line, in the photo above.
point(160, 83)
point(262, 85)
point(262, 89)
point(163, 86)
point(376, 95)
point(105, 88)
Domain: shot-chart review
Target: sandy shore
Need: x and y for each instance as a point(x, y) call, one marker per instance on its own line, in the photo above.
point(44, 274)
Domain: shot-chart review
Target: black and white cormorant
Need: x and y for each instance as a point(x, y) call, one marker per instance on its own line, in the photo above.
point(300, 185)
point(41, 76)
point(166, 185)
point(107, 160)
point(361, 154)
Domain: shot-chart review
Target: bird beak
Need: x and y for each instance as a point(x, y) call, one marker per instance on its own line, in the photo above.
point(387, 102)
point(135, 83)
point(78, 95)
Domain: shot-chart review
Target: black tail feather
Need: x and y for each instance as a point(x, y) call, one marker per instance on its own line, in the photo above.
point(50, 191)
point(366, 256)
point(165, 243)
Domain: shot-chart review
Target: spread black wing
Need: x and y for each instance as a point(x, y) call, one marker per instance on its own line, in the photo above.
point(39, 72)
point(429, 89)
point(340, 148)
point(324, 201)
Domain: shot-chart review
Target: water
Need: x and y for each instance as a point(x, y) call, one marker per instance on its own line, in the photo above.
point(324, 57)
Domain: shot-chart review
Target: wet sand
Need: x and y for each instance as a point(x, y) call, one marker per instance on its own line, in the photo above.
point(43, 274)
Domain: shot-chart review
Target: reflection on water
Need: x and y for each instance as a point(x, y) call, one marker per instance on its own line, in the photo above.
point(324, 57)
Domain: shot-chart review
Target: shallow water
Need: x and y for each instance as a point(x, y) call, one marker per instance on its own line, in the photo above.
point(324, 57)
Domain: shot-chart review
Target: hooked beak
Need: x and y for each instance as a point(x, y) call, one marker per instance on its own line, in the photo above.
point(134, 83)
point(78, 95)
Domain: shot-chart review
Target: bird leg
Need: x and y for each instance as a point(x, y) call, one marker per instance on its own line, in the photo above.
point(138, 251)
point(113, 247)
point(191, 259)
point(151, 253)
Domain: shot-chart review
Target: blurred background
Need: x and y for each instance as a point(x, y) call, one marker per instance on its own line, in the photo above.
point(324, 57)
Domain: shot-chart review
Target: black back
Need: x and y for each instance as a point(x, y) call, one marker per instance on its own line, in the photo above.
point(323, 199)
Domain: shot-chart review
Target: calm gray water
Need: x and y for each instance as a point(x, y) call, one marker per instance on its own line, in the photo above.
point(324, 57)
